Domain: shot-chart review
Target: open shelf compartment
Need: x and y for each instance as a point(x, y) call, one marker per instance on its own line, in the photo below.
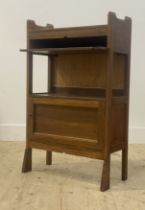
point(81, 75)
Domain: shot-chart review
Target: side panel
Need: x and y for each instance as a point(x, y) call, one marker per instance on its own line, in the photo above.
point(118, 125)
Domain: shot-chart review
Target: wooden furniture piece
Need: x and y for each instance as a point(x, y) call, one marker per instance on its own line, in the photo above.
point(85, 110)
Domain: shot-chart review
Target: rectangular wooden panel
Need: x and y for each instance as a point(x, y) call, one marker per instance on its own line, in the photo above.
point(36, 32)
point(87, 71)
point(118, 76)
point(72, 122)
point(66, 121)
point(64, 101)
point(77, 70)
point(118, 125)
point(77, 150)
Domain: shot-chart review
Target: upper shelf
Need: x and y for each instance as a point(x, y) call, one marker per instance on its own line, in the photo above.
point(49, 32)
point(116, 35)
point(55, 51)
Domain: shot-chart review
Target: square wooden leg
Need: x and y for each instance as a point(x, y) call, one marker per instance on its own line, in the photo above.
point(124, 164)
point(27, 162)
point(48, 158)
point(105, 181)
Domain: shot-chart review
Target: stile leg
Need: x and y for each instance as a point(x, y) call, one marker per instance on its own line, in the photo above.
point(48, 158)
point(124, 164)
point(105, 181)
point(27, 162)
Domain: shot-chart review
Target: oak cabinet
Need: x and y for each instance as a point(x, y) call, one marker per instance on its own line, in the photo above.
point(84, 110)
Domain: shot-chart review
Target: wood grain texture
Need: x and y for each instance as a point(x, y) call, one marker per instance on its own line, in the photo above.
point(68, 50)
point(67, 102)
point(65, 121)
point(84, 152)
point(85, 110)
point(86, 70)
point(39, 32)
point(118, 124)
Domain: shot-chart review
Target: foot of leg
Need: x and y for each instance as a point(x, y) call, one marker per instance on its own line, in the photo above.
point(27, 162)
point(124, 164)
point(105, 181)
point(48, 157)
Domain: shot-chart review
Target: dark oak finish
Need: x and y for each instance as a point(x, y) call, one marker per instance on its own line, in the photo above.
point(85, 109)
point(48, 158)
point(27, 162)
point(105, 180)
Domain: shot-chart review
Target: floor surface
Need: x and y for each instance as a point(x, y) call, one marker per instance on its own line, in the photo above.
point(71, 183)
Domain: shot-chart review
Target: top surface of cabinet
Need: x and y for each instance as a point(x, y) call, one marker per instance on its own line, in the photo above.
point(114, 35)
point(39, 32)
